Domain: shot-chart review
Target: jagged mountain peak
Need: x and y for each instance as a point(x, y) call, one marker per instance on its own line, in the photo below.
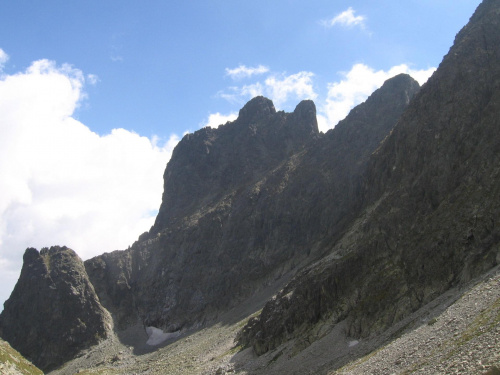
point(211, 162)
point(58, 306)
point(256, 109)
point(351, 231)
point(242, 206)
point(450, 116)
point(30, 255)
point(431, 206)
point(260, 111)
point(402, 84)
point(305, 108)
point(305, 121)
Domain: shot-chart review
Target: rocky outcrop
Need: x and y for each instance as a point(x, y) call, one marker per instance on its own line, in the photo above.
point(209, 163)
point(363, 224)
point(431, 206)
point(207, 184)
point(53, 312)
point(244, 206)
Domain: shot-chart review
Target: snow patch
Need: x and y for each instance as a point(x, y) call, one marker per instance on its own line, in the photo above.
point(353, 343)
point(157, 336)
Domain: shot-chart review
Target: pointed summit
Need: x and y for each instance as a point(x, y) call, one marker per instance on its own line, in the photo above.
point(256, 110)
point(56, 303)
point(431, 205)
point(305, 113)
point(210, 162)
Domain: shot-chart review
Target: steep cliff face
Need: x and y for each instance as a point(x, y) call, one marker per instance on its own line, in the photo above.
point(432, 203)
point(53, 312)
point(363, 224)
point(210, 162)
point(244, 206)
point(187, 267)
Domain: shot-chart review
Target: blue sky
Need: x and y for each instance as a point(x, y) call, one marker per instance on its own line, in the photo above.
point(95, 94)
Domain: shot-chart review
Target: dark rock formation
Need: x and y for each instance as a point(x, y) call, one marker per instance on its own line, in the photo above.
point(244, 205)
point(365, 223)
point(188, 267)
point(209, 163)
point(53, 312)
point(432, 203)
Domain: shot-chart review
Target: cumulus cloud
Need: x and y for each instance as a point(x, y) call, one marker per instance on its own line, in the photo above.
point(282, 89)
point(61, 183)
point(355, 87)
point(346, 19)
point(243, 71)
point(216, 119)
point(286, 90)
point(421, 76)
point(298, 86)
point(3, 59)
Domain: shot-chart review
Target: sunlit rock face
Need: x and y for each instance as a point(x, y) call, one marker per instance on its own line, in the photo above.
point(53, 312)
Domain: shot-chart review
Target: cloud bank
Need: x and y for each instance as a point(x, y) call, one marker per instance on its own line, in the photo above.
point(61, 183)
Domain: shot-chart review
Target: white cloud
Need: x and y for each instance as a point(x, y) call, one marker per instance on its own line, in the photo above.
point(92, 79)
point(216, 119)
point(297, 86)
point(422, 75)
point(240, 94)
point(282, 89)
point(243, 71)
point(253, 90)
point(3, 59)
point(61, 183)
point(346, 19)
point(355, 88)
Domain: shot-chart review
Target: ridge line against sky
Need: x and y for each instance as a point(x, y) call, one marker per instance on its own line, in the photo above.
point(87, 125)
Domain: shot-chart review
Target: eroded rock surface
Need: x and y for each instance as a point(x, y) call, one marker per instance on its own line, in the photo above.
point(362, 225)
point(431, 206)
point(53, 312)
point(244, 206)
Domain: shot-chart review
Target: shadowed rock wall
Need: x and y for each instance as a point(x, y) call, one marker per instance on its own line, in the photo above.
point(53, 312)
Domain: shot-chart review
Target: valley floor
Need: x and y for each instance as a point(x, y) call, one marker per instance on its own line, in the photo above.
point(458, 333)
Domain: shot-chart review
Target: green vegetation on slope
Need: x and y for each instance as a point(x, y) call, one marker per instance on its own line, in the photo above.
point(11, 362)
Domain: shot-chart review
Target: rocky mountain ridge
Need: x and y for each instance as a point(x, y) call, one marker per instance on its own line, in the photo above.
point(356, 228)
point(247, 232)
point(430, 220)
